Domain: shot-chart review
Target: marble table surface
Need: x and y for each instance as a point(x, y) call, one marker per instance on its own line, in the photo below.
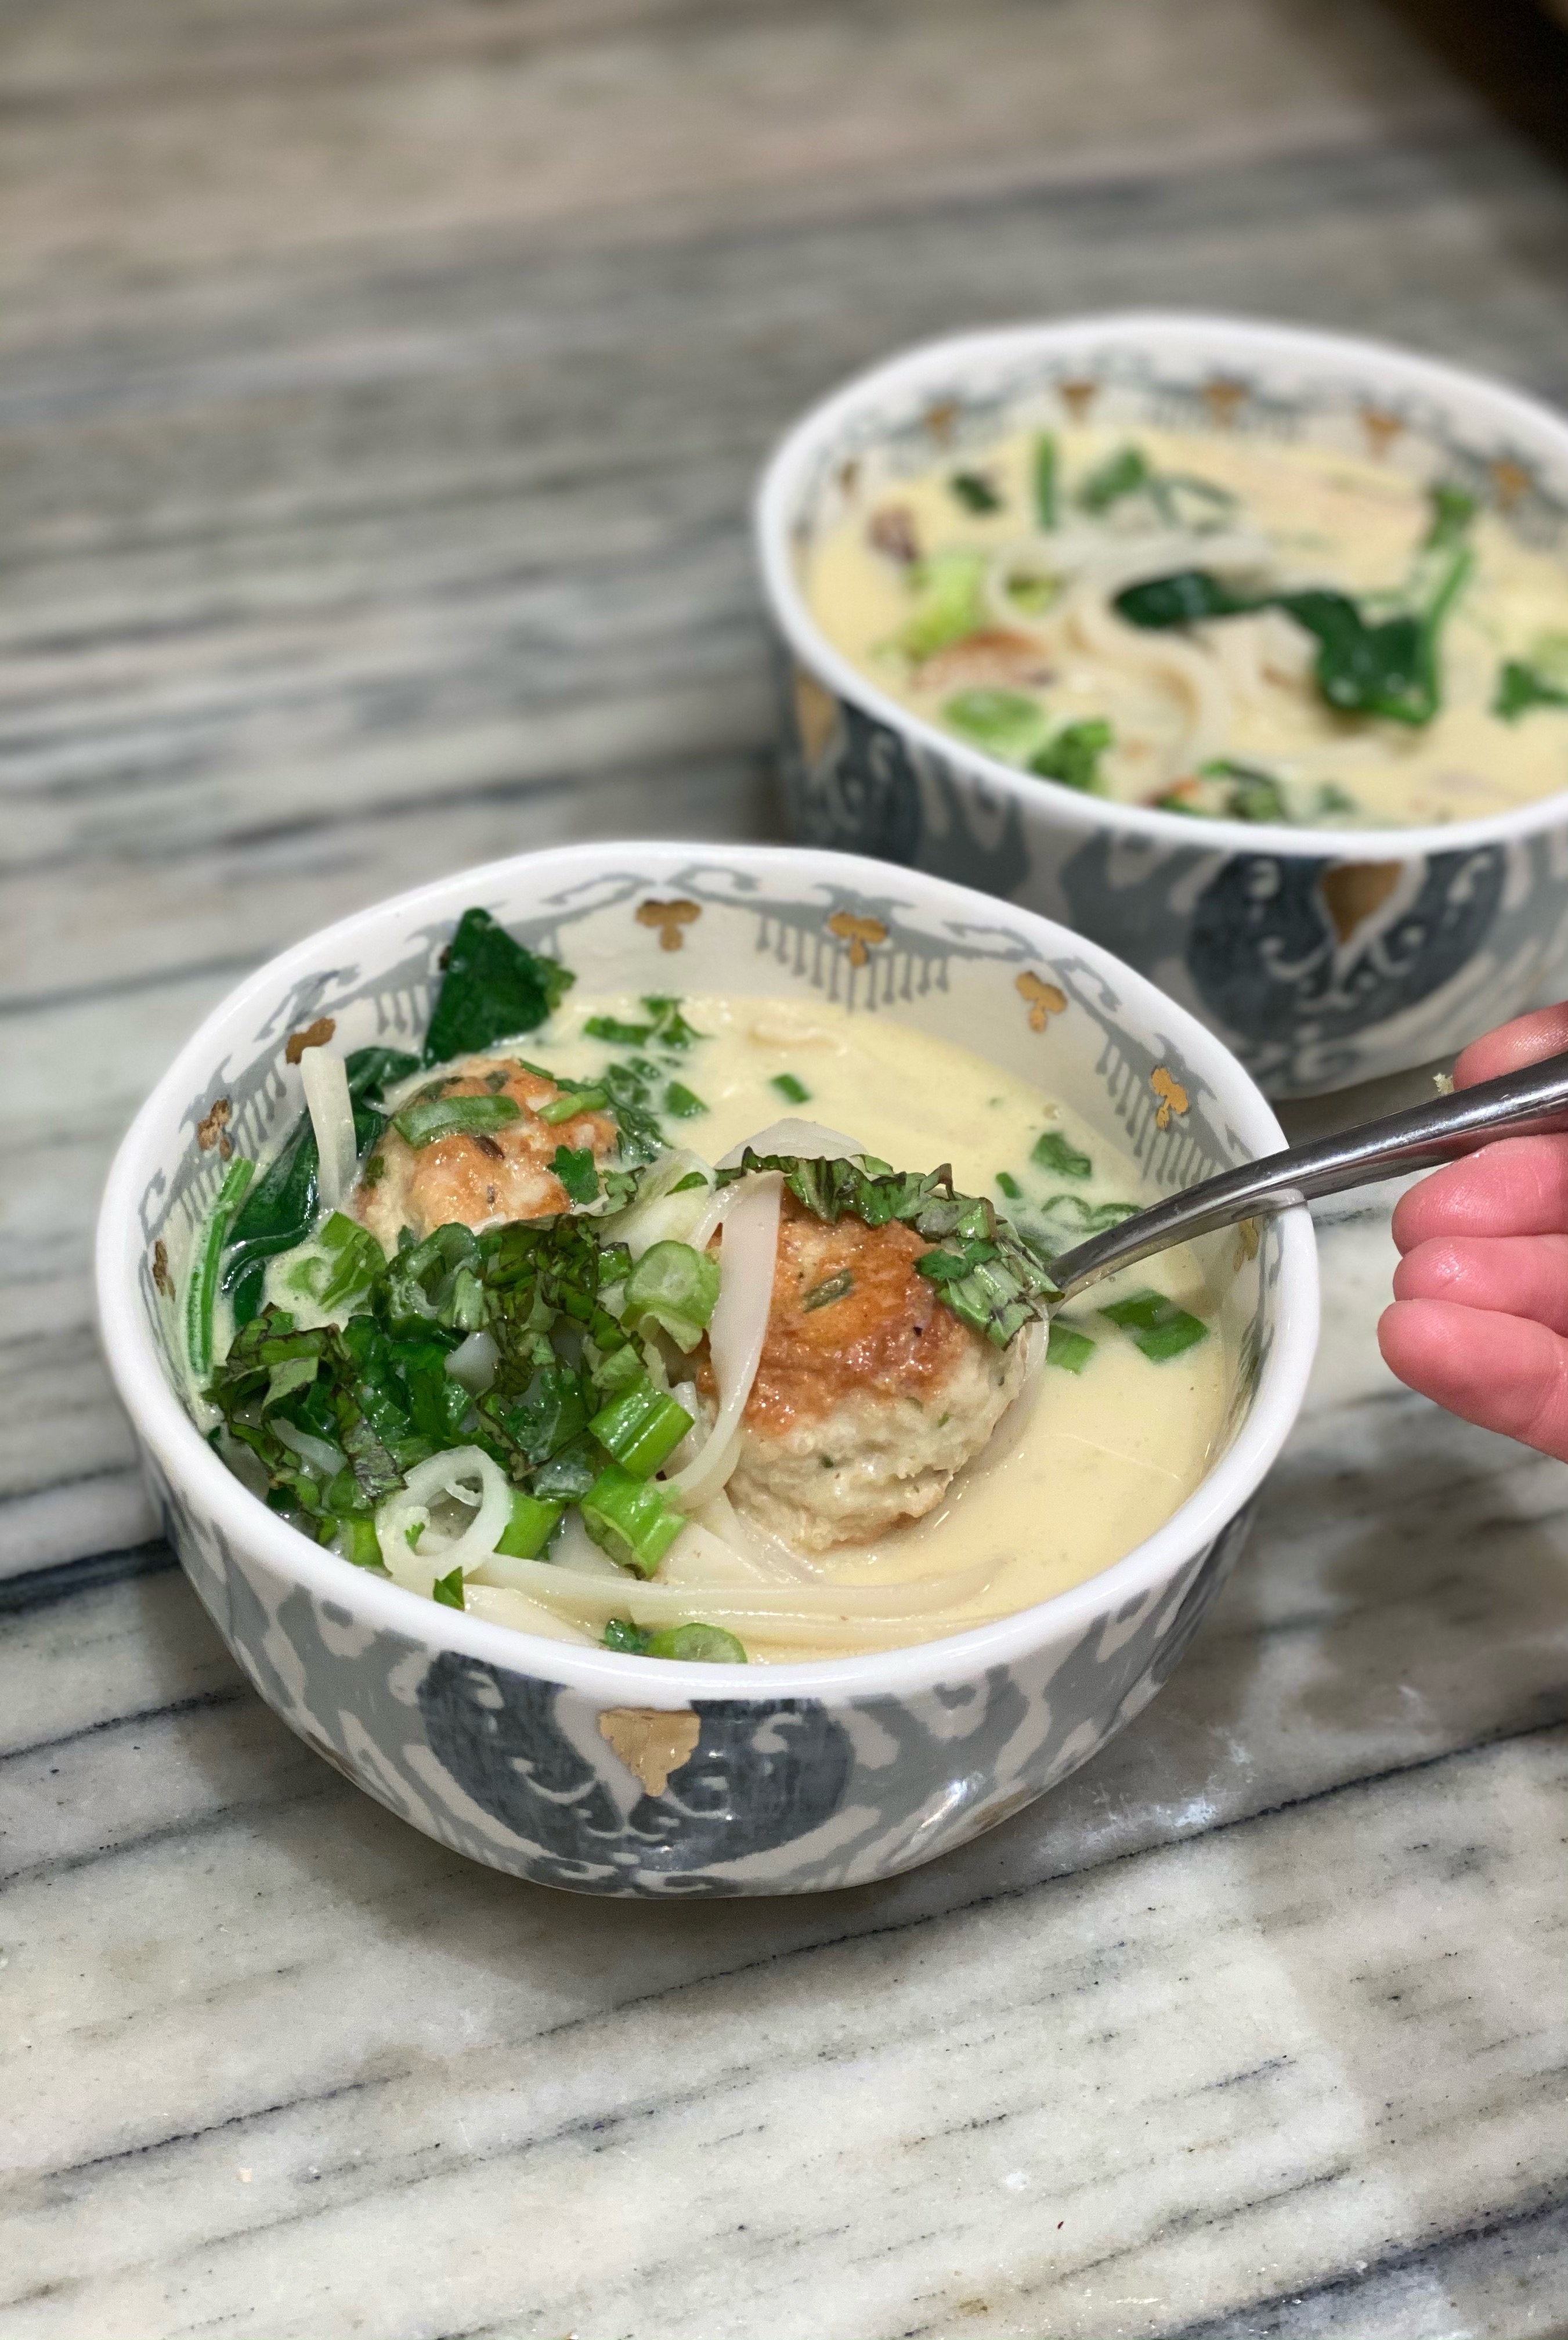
point(382, 383)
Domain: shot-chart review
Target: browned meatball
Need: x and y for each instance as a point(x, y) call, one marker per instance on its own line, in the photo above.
point(481, 1180)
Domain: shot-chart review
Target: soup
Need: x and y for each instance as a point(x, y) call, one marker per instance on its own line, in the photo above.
point(1216, 628)
point(715, 1327)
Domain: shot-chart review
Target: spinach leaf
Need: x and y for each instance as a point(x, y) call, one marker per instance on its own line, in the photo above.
point(1185, 598)
point(492, 988)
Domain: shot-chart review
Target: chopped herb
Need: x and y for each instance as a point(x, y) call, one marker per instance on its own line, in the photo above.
point(1002, 721)
point(374, 1170)
point(670, 1029)
point(682, 1102)
point(202, 1285)
point(1009, 1187)
point(1068, 1349)
point(412, 1533)
point(630, 1639)
point(574, 1167)
point(641, 1427)
point(684, 1185)
point(622, 1035)
point(975, 492)
point(1045, 469)
point(793, 1091)
point(1051, 1151)
point(493, 987)
point(674, 1287)
point(833, 1288)
point(1254, 795)
point(448, 1589)
point(422, 1123)
point(1122, 474)
point(1158, 1327)
point(1073, 757)
point(347, 1264)
point(984, 1269)
point(629, 1519)
point(1521, 688)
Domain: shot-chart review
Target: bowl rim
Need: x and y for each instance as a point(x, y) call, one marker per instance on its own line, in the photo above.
point(164, 1427)
point(772, 539)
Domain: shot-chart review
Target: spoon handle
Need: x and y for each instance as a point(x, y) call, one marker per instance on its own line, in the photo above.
point(1421, 1136)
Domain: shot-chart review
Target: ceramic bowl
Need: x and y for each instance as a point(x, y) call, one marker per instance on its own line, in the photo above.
point(620, 1775)
point(1320, 956)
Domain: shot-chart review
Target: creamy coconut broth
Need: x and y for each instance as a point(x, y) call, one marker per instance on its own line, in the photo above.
point(1032, 1471)
point(1211, 626)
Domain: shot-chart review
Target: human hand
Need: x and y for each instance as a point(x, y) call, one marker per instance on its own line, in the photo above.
point(1480, 1313)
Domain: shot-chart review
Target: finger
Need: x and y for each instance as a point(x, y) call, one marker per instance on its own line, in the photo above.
point(1503, 1372)
point(1542, 1033)
point(1508, 1276)
point(1516, 1187)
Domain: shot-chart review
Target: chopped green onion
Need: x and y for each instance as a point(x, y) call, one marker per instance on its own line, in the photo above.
point(357, 1541)
point(835, 1287)
point(639, 1427)
point(530, 1527)
point(1046, 480)
point(586, 1099)
point(623, 1036)
point(1121, 474)
point(1073, 757)
point(683, 1103)
point(628, 1518)
point(1009, 1186)
point(1052, 1152)
point(975, 492)
point(1069, 1349)
point(1003, 722)
point(574, 1167)
point(202, 1288)
point(448, 1589)
point(689, 1644)
point(460, 1116)
point(950, 585)
point(675, 1287)
point(793, 1091)
point(1159, 1326)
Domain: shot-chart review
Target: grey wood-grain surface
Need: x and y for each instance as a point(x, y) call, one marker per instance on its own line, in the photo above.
point(382, 382)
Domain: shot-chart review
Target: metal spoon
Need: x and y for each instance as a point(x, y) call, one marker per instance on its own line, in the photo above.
point(1421, 1136)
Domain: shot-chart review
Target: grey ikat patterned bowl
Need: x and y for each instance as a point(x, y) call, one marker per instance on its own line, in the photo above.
point(611, 1774)
point(1322, 957)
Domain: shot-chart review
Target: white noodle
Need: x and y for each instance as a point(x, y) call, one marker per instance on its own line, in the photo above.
point(332, 1111)
point(498, 1605)
point(657, 1216)
point(586, 1594)
point(739, 1329)
point(1196, 677)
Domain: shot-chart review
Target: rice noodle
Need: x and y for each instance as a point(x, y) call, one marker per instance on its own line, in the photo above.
point(617, 1594)
point(1158, 657)
point(331, 1108)
point(739, 1329)
point(813, 1139)
point(498, 1605)
point(436, 1550)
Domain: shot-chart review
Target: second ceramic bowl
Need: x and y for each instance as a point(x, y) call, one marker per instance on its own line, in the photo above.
point(1321, 957)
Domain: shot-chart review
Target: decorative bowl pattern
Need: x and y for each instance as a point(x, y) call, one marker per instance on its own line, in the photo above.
point(1321, 957)
point(609, 1774)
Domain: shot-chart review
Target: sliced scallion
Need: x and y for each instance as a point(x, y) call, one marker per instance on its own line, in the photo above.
point(530, 1527)
point(639, 1427)
point(629, 1519)
point(674, 1287)
point(1069, 1349)
point(687, 1644)
point(794, 1092)
point(587, 1099)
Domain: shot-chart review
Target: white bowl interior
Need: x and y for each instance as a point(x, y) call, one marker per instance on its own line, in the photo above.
point(1034, 998)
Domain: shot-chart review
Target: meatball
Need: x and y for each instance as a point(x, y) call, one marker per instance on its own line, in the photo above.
point(999, 656)
point(870, 1393)
point(483, 1179)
